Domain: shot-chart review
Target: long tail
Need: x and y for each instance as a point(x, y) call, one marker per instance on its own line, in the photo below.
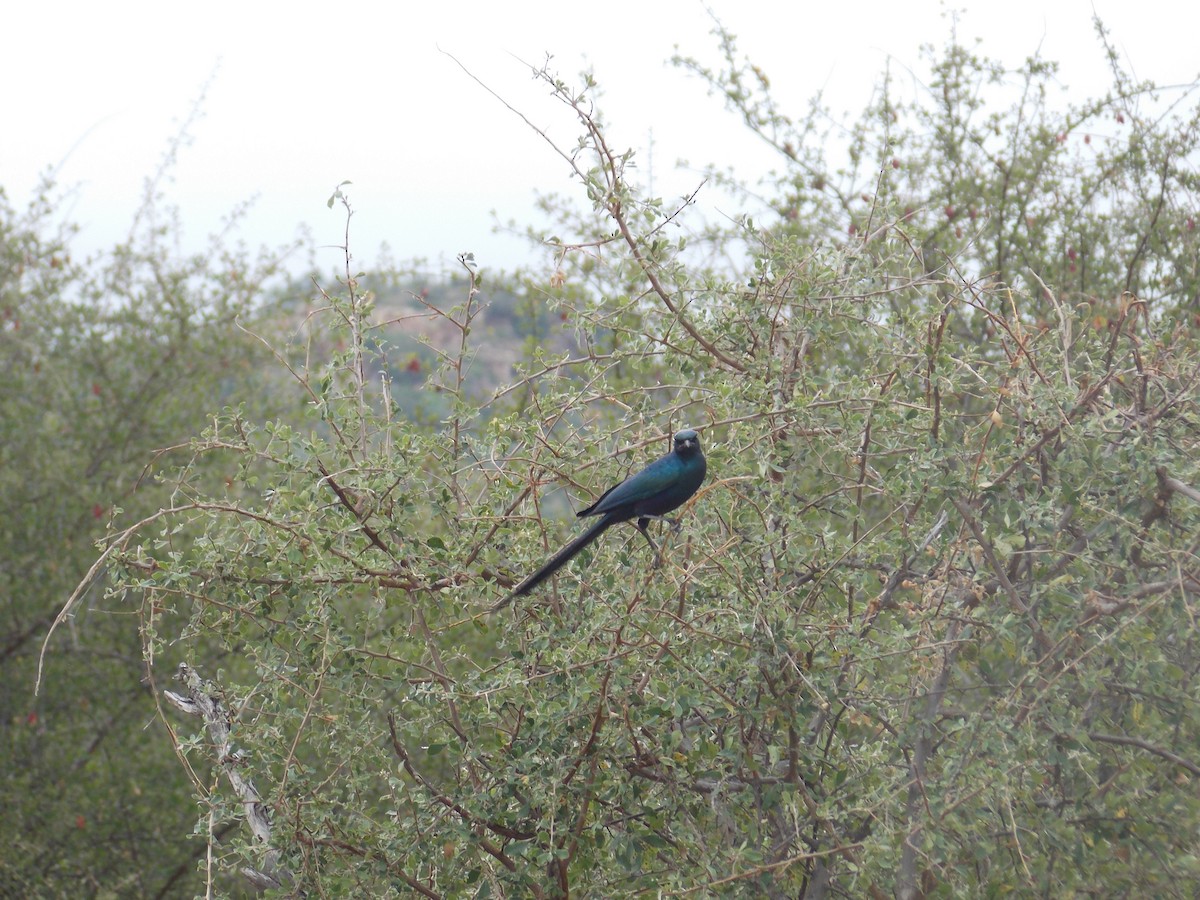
point(557, 561)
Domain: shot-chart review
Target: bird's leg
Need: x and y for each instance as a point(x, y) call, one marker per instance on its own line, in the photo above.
point(674, 523)
point(642, 524)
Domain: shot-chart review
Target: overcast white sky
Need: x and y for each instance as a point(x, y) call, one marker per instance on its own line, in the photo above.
point(306, 95)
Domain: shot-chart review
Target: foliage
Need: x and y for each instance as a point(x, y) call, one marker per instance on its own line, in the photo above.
point(928, 629)
point(105, 364)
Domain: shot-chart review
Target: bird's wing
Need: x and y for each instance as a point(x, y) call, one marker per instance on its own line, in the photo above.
point(653, 479)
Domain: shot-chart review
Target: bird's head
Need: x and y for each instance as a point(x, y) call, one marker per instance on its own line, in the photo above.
point(687, 442)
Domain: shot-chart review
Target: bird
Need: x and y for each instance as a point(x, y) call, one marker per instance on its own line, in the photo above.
point(662, 486)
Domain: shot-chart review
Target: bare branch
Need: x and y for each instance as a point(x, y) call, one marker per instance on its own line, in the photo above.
point(206, 703)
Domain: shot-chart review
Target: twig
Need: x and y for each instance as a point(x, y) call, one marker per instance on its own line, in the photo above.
point(1044, 644)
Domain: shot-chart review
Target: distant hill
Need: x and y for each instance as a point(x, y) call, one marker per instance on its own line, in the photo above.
point(414, 321)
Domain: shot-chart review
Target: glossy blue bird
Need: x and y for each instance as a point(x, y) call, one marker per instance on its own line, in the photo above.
point(662, 486)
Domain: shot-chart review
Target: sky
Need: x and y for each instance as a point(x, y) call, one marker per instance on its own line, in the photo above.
point(299, 97)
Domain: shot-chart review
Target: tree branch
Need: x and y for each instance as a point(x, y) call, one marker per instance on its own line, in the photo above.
point(207, 704)
point(1126, 741)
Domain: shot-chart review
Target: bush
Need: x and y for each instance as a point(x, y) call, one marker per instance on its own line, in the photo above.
point(925, 630)
point(108, 367)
